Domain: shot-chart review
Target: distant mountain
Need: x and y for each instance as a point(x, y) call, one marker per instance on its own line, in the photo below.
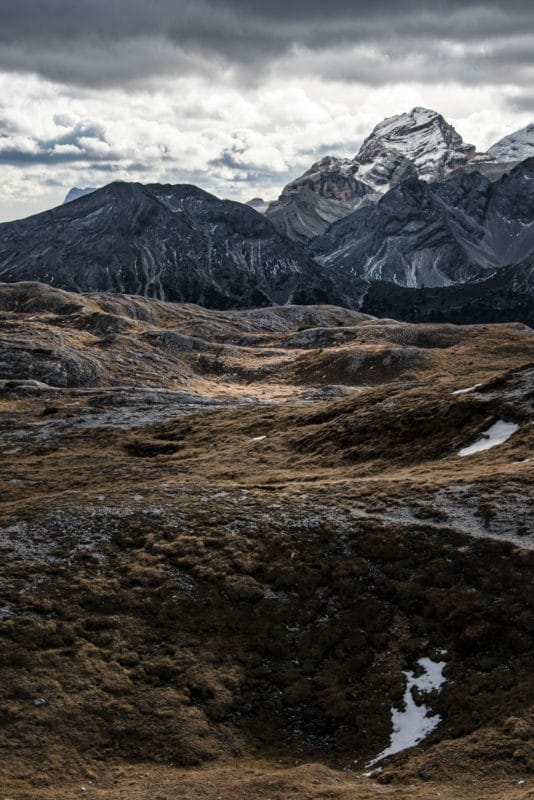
point(258, 204)
point(515, 147)
point(436, 234)
point(75, 193)
point(416, 144)
point(166, 242)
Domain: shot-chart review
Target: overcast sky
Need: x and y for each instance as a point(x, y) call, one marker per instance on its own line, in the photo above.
point(240, 96)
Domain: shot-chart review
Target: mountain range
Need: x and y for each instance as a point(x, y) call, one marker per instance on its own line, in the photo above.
point(417, 226)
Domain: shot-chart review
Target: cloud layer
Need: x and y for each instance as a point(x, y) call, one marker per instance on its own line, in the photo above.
point(116, 42)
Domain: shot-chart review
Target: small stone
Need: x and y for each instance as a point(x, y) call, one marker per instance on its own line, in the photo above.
point(40, 701)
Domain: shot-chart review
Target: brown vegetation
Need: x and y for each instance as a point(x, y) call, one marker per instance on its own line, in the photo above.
point(208, 576)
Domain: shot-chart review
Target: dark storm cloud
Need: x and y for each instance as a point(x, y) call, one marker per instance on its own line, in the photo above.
point(423, 62)
point(524, 102)
point(113, 42)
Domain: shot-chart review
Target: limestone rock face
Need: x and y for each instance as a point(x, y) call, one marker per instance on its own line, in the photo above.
point(424, 234)
point(416, 144)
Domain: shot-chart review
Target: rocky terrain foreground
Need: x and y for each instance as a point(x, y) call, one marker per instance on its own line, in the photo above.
point(278, 553)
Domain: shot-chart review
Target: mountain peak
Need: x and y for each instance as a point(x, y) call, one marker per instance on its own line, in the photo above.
point(416, 144)
point(423, 137)
point(163, 241)
point(418, 114)
point(76, 192)
point(516, 146)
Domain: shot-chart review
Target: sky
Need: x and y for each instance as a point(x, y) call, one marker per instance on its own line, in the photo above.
point(240, 96)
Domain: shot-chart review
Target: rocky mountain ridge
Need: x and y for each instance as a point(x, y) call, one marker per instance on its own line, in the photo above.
point(436, 234)
point(419, 143)
point(416, 209)
point(174, 243)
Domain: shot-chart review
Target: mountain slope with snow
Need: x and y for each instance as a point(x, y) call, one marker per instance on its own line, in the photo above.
point(436, 234)
point(515, 147)
point(416, 144)
point(424, 138)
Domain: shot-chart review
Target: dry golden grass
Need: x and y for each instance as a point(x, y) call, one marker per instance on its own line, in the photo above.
point(205, 594)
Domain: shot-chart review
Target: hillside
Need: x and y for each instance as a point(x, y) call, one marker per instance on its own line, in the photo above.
point(229, 538)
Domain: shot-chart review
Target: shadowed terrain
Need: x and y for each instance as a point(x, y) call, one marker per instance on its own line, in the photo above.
point(227, 535)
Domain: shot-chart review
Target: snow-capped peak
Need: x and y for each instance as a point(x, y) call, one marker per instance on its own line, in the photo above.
point(416, 117)
point(423, 137)
point(417, 144)
point(516, 146)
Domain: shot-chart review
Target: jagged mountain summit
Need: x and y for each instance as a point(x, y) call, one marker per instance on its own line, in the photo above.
point(515, 147)
point(176, 243)
point(419, 143)
point(76, 192)
point(423, 137)
point(436, 234)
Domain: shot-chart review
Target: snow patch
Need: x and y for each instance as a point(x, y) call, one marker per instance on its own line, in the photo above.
point(499, 433)
point(412, 724)
point(469, 389)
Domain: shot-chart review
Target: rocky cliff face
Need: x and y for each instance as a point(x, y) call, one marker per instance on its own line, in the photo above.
point(167, 242)
point(417, 144)
point(328, 191)
point(422, 234)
